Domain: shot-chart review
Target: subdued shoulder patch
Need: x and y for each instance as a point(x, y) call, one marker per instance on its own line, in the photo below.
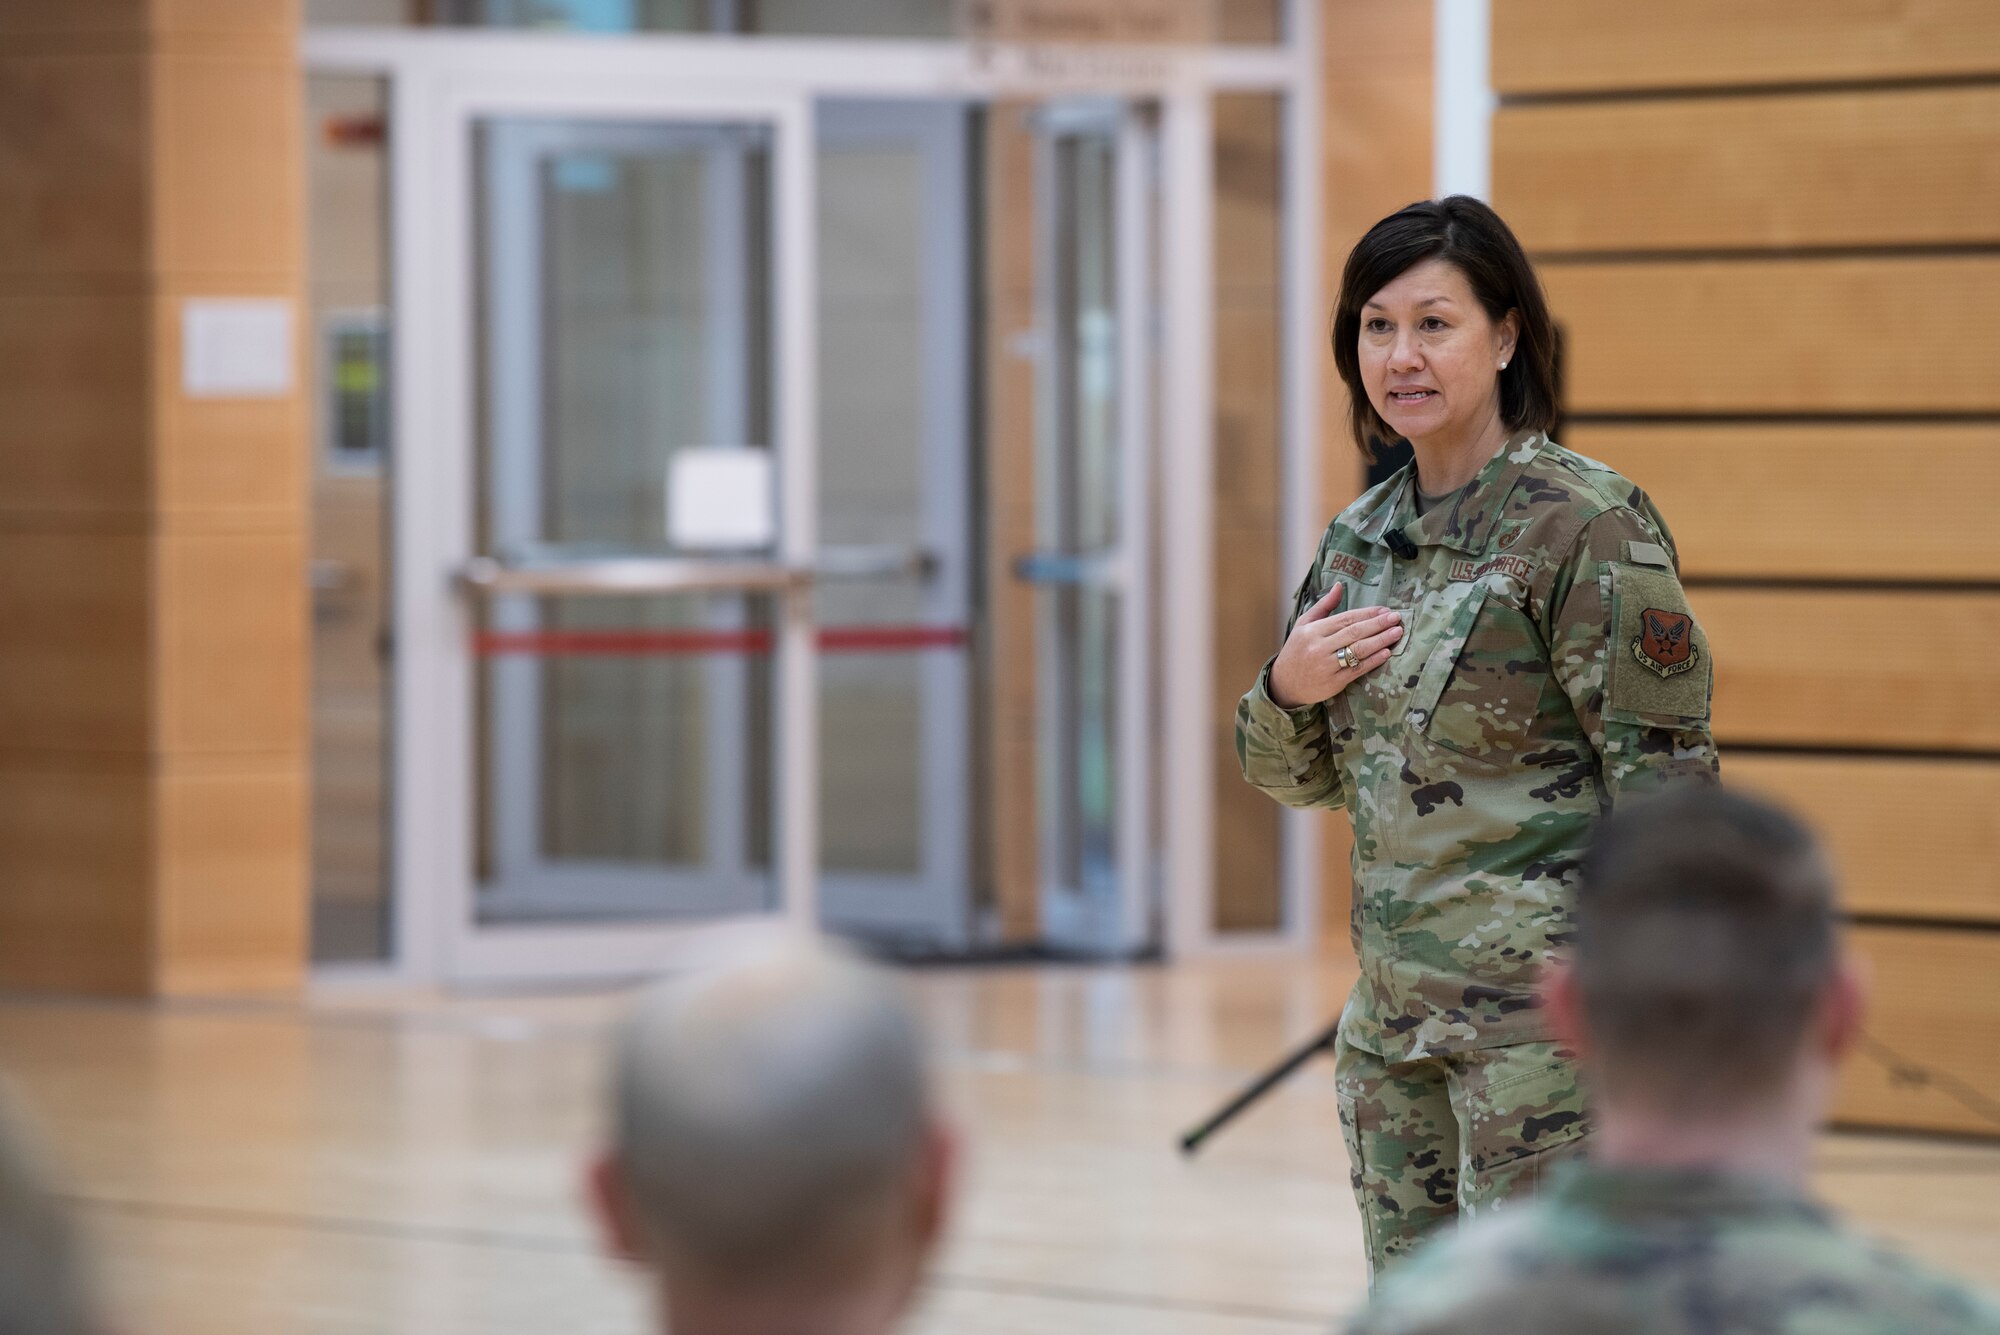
point(1648, 554)
point(1660, 672)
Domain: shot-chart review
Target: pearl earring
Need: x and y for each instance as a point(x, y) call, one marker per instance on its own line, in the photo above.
point(1503, 366)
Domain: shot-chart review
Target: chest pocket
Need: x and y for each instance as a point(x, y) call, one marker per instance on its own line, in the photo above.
point(1480, 689)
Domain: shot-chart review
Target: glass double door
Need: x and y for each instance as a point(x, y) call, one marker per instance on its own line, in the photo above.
point(719, 569)
point(720, 545)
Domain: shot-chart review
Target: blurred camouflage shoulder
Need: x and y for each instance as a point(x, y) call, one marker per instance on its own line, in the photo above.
point(1551, 1269)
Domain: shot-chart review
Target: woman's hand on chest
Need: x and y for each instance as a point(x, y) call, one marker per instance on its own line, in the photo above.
point(1329, 649)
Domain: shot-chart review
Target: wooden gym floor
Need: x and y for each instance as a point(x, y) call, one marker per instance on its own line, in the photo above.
point(362, 1163)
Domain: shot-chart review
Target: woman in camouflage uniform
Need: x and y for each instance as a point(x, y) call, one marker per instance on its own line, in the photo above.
point(1491, 649)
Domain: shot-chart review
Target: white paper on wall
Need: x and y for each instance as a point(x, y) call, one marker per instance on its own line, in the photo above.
point(720, 499)
point(236, 347)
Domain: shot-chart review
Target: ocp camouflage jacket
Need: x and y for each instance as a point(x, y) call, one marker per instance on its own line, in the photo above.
point(1549, 665)
point(1666, 1251)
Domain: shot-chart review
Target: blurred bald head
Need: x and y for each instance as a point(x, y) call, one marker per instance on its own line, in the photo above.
point(773, 1122)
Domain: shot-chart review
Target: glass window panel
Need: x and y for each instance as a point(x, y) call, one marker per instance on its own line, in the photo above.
point(1079, 770)
point(624, 741)
point(348, 292)
point(872, 469)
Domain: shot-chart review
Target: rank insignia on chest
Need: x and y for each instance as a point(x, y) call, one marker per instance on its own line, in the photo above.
point(1666, 642)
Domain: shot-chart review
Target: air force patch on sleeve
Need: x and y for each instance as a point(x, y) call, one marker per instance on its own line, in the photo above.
point(1665, 643)
point(1658, 670)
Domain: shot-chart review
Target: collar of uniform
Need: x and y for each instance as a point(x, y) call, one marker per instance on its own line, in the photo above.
point(1688, 1192)
point(1377, 522)
point(1464, 520)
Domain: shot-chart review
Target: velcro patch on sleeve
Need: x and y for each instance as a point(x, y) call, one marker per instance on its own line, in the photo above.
point(1648, 554)
point(1659, 671)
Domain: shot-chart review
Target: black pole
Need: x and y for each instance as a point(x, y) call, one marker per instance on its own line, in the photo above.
point(1257, 1089)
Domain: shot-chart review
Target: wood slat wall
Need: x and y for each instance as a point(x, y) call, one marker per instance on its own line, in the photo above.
point(1876, 335)
point(1769, 233)
point(1873, 810)
point(1248, 863)
point(1573, 46)
point(153, 541)
point(1891, 668)
point(1933, 1004)
point(1757, 171)
point(1909, 501)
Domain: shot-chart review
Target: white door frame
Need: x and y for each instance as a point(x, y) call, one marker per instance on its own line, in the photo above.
point(439, 77)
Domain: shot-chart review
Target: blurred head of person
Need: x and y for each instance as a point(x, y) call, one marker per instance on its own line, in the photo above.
point(46, 1287)
point(1709, 995)
point(1441, 331)
point(777, 1157)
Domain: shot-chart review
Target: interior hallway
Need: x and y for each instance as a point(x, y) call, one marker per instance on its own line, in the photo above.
point(361, 1162)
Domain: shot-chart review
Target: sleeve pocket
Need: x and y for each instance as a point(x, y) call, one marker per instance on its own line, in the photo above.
point(1659, 673)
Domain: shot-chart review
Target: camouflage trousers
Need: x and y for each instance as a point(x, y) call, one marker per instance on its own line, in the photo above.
point(1452, 1135)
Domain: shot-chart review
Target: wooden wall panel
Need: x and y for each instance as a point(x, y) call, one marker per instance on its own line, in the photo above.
point(1829, 169)
point(1551, 46)
point(1866, 335)
point(1845, 668)
point(76, 850)
point(1910, 838)
point(75, 659)
point(62, 221)
point(1011, 831)
point(1247, 863)
point(229, 675)
point(227, 142)
point(233, 892)
point(73, 375)
point(1934, 1002)
point(1752, 215)
point(154, 572)
point(1863, 501)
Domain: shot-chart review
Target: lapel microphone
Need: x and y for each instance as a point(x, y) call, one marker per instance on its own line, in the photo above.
point(1400, 544)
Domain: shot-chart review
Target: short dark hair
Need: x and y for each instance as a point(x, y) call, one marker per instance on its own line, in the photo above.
point(1705, 940)
point(1469, 235)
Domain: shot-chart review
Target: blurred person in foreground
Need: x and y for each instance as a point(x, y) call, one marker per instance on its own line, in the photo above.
point(1711, 1004)
point(45, 1279)
point(777, 1159)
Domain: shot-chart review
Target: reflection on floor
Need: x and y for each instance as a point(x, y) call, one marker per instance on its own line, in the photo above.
point(369, 1163)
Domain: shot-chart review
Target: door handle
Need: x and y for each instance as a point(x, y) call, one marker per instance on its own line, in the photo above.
point(612, 576)
point(886, 562)
point(625, 576)
point(1101, 569)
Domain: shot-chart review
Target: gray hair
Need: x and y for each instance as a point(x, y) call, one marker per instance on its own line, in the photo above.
point(45, 1285)
point(769, 1112)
